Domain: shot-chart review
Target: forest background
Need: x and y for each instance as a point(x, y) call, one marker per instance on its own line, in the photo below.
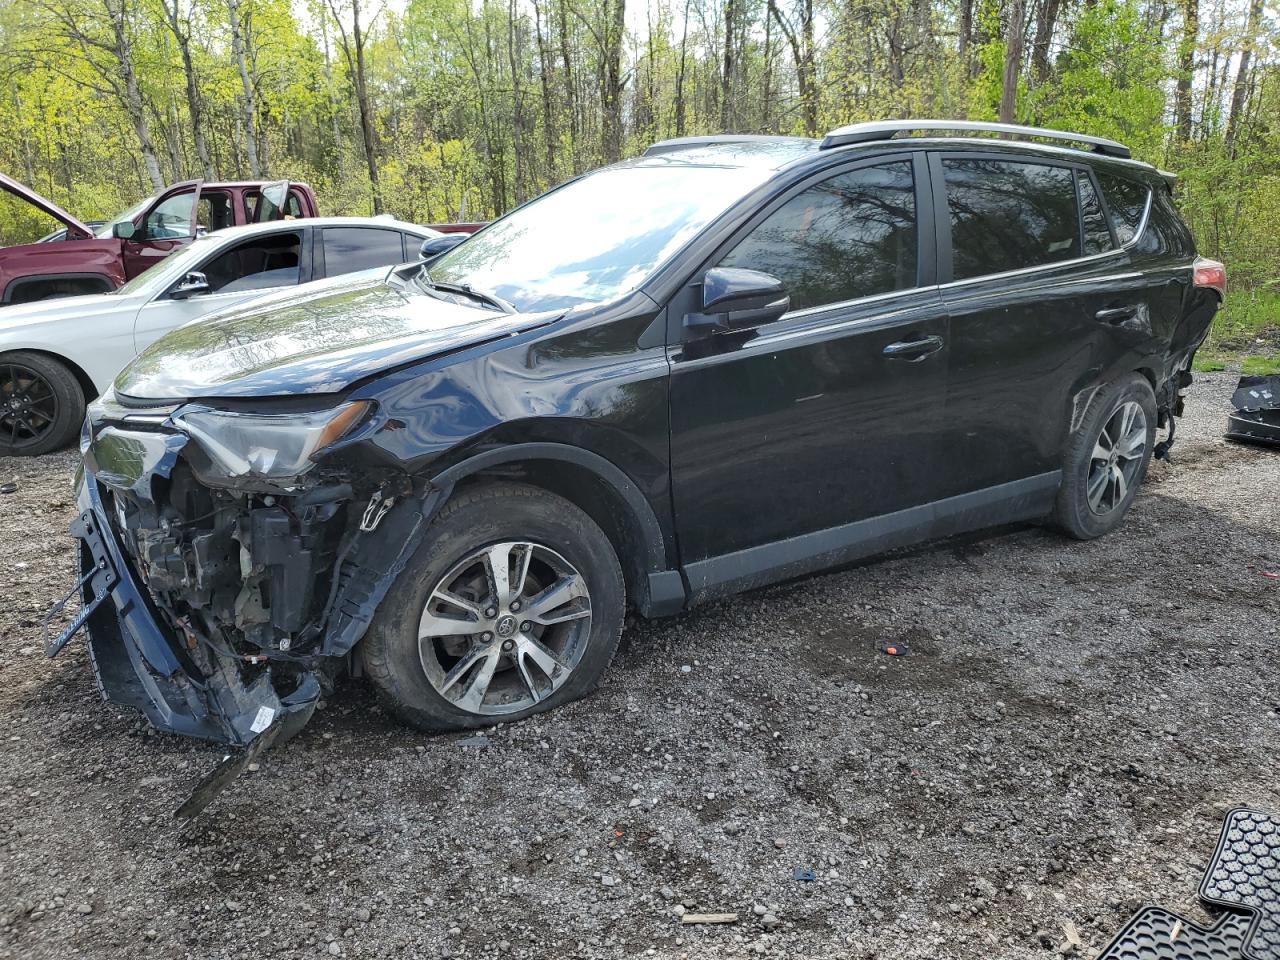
point(460, 109)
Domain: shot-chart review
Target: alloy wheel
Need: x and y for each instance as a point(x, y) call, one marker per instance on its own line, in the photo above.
point(28, 406)
point(504, 628)
point(1117, 457)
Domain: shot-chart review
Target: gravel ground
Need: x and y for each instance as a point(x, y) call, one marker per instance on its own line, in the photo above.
point(1058, 748)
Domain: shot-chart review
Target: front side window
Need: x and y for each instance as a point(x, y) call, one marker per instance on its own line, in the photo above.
point(171, 218)
point(597, 238)
point(1126, 202)
point(257, 264)
point(1009, 215)
point(848, 237)
point(348, 249)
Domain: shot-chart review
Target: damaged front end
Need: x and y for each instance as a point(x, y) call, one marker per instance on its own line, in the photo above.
point(230, 562)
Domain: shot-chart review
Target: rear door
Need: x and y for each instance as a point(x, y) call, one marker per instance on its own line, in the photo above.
point(349, 249)
point(269, 203)
point(831, 414)
point(1036, 289)
point(168, 224)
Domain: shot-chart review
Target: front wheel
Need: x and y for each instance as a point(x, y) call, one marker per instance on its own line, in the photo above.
point(41, 404)
point(1106, 459)
point(513, 605)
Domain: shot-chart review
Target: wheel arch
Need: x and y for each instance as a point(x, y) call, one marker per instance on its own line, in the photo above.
point(17, 283)
point(606, 493)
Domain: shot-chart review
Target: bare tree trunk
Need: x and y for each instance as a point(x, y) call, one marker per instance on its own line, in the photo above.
point(966, 36)
point(801, 44)
point(195, 104)
point(334, 107)
point(1242, 75)
point(684, 41)
point(571, 90)
point(1186, 69)
point(615, 29)
point(133, 103)
point(726, 76)
point(1046, 21)
point(1014, 36)
point(247, 102)
point(517, 102)
point(549, 120)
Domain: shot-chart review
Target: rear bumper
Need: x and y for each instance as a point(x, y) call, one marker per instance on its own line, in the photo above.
point(139, 662)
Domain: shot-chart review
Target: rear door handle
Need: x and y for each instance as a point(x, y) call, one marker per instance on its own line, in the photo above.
point(1116, 314)
point(913, 350)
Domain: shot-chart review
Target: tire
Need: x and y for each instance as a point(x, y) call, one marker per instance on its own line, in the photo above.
point(41, 404)
point(507, 522)
point(1091, 501)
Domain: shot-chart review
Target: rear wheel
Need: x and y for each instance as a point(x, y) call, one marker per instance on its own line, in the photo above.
point(41, 404)
point(512, 606)
point(1107, 458)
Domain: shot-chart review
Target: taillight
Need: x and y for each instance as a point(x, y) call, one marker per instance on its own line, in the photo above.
point(1211, 274)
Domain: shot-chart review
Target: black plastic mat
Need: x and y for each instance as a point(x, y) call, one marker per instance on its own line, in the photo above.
point(1244, 875)
point(1154, 933)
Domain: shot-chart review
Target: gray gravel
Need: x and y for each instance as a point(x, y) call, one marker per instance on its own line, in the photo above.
point(1058, 748)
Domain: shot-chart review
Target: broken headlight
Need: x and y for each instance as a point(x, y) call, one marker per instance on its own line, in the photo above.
point(268, 446)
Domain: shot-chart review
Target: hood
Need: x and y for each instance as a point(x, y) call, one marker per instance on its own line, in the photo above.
point(318, 341)
point(40, 203)
point(20, 316)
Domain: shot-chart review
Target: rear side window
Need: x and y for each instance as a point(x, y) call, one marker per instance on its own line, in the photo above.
point(1097, 236)
point(1008, 215)
point(848, 237)
point(1126, 203)
point(348, 249)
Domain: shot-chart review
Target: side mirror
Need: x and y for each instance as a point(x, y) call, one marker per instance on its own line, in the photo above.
point(123, 230)
point(193, 283)
point(732, 297)
point(437, 246)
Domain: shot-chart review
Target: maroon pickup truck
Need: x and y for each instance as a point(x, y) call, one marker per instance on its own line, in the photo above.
point(86, 260)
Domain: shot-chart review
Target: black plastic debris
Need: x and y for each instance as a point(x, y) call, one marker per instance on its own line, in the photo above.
point(10, 487)
point(894, 649)
point(1256, 418)
point(1242, 881)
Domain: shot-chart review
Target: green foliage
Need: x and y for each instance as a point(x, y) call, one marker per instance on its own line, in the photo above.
point(477, 105)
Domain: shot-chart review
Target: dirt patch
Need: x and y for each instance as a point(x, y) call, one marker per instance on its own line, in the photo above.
point(1060, 743)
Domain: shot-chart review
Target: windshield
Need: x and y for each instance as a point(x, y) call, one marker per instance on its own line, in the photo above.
point(104, 232)
point(594, 239)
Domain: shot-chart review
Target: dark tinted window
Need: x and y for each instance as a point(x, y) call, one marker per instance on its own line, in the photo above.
point(347, 249)
point(848, 237)
point(1097, 236)
point(1007, 215)
point(1126, 202)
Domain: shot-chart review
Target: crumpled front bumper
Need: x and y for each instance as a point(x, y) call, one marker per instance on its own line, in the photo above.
point(139, 662)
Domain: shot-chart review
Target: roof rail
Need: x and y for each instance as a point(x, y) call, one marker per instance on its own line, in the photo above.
point(688, 143)
point(886, 129)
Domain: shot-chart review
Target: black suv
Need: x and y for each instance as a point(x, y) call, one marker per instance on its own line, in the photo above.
point(728, 362)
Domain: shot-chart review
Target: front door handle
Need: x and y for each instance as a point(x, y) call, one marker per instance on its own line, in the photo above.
point(913, 350)
point(1116, 314)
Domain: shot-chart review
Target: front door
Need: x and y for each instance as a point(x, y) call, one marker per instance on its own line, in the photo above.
point(831, 415)
point(168, 224)
point(1040, 299)
point(234, 274)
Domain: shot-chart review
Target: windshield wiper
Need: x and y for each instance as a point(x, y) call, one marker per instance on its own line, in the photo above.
point(468, 291)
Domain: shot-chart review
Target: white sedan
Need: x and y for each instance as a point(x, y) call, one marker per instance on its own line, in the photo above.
point(56, 353)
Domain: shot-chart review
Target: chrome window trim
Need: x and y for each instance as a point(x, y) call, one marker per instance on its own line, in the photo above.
point(856, 301)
